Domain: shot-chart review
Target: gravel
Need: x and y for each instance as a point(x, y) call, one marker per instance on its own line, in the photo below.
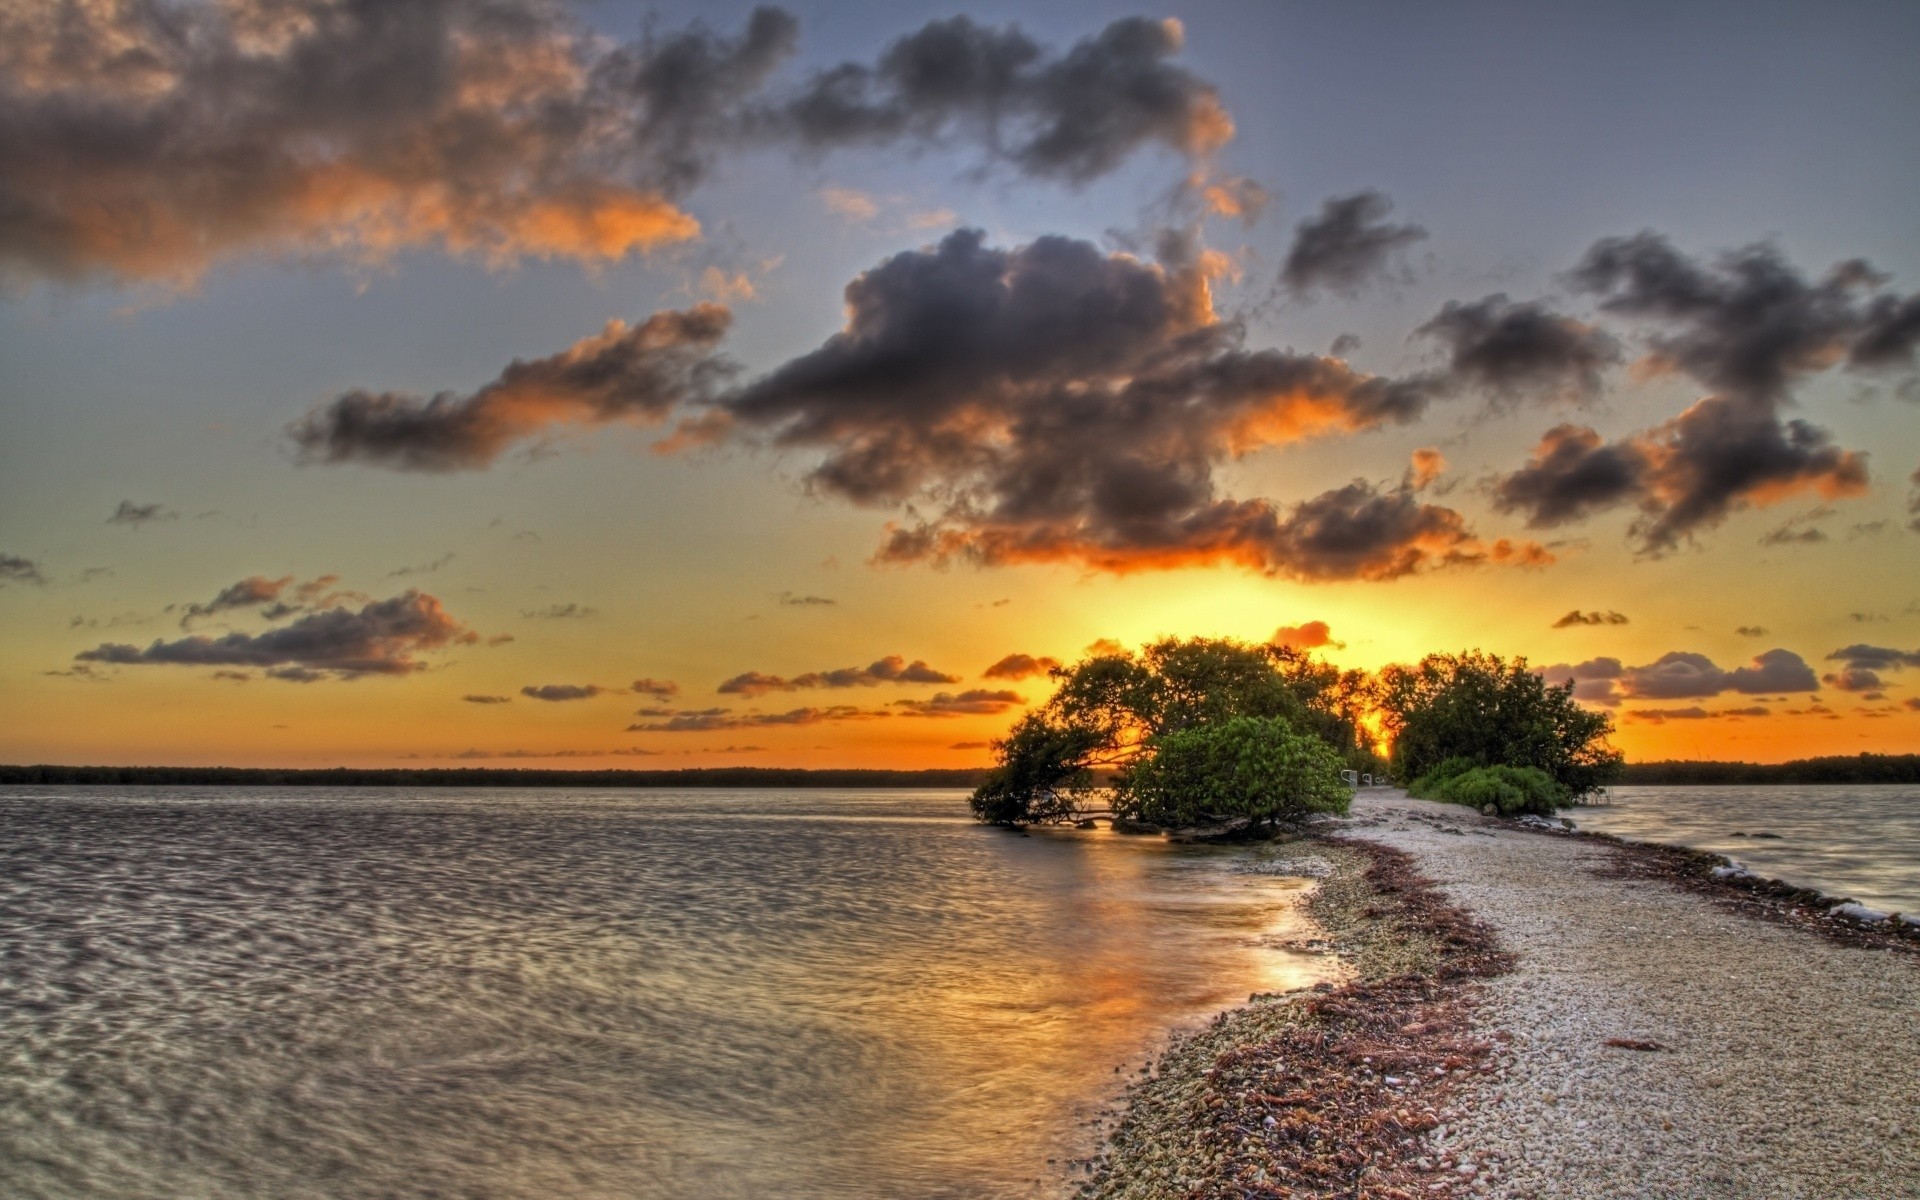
point(1747, 1059)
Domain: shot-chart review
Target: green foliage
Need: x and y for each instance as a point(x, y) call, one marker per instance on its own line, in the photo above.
point(1255, 767)
point(1041, 776)
point(1493, 713)
point(1111, 714)
point(1508, 790)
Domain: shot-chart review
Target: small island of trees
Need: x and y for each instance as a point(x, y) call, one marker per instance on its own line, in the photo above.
point(1201, 732)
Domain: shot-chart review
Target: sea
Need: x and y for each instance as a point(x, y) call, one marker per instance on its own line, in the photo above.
point(1857, 841)
point(496, 993)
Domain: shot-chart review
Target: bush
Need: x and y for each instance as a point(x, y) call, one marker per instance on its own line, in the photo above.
point(1508, 790)
point(1260, 768)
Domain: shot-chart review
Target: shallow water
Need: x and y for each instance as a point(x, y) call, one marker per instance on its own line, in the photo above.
point(500, 993)
point(1861, 841)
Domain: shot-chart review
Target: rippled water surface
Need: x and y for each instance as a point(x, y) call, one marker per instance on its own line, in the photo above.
point(1858, 841)
point(499, 993)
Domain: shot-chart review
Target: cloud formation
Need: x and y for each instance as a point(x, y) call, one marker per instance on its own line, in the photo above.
point(1862, 665)
point(569, 611)
point(1682, 675)
point(634, 374)
point(790, 600)
point(1594, 680)
point(1345, 246)
point(1521, 351)
point(558, 692)
point(660, 689)
point(146, 142)
point(891, 669)
point(382, 638)
point(476, 698)
point(129, 513)
point(1576, 617)
point(1021, 666)
point(1656, 716)
point(1056, 403)
point(1310, 636)
point(1749, 326)
point(14, 569)
point(972, 703)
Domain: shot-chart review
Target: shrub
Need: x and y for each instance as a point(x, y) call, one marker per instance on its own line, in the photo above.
point(1260, 768)
point(1508, 790)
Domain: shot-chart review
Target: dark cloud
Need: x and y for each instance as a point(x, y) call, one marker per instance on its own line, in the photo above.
point(1594, 681)
point(1573, 473)
point(1684, 675)
point(1346, 245)
point(146, 142)
point(1021, 666)
point(977, 702)
point(129, 513)
point(1875, 658)
point(275, 598)
point(14, 569)
point(569, 611)
point(789, 600)
point(1522, 351)
point(710, 719)
point(660, 689)
point(1792, 534)
point(475, 698)
point(891, 669)
point(1748, 326)
point(1576, 617)
point(382, 638)
point(1751, 631)
point(970, 746)
point(1853, 679)
point(624, 373)
point(1071, 116)
point(1309, 636)
point(564, 691)
point(1695, 713)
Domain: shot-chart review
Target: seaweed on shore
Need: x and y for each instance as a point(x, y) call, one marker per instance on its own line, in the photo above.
point(1326, 1092)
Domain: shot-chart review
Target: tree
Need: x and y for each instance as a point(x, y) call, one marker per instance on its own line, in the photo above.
point(1260, 768)
point(1491, 712)
point(1112, 712)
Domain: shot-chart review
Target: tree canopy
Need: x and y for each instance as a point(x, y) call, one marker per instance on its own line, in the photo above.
point(1492, 712)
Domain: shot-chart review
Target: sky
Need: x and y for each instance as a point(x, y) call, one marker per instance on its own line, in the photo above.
point(515, 383)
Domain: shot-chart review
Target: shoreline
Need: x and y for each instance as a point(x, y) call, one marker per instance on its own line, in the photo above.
point(1563, 982)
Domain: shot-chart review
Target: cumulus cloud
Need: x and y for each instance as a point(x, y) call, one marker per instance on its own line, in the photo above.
point(563, 691)
point(1861, 656)
point(129, 513)
point(147, 142)
point(1021, 666)
point(1594, 681)
point(1576, 617)
point(1056, 403)
point(660, 689)
point(1309, 636)
point(710, 719)
point(1521, 351)
point(1072, 116)
point(1682, 674)
point(1346, 245)
point(634, 374)
point(382, 638)
point(891, 669)
point(975, 702)
point(1749, 326)
point(14, 569)
point(1853, 679)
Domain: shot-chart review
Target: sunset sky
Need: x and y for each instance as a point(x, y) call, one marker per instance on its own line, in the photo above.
point(613, 385)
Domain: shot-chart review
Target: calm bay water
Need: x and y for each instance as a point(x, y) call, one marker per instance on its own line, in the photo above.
point(1846, 840)
point(497, 993)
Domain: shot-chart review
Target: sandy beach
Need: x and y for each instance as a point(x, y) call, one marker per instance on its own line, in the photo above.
point(1585, 1023)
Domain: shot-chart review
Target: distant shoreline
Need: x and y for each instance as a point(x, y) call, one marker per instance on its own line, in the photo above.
point(692, 777)
point(1863, 768)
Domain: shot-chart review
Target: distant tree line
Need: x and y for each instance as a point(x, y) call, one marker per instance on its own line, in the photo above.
point(693, 777)
point(1836, 768)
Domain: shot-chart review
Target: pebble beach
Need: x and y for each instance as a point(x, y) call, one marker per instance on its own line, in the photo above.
point(1536, 1014)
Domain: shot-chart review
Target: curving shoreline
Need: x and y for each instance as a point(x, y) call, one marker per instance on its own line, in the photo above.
point(1612, 1020)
